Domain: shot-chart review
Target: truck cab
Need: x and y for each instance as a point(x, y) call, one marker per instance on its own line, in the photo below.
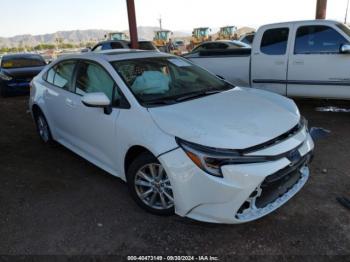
point(302, 59)
point(295, 59)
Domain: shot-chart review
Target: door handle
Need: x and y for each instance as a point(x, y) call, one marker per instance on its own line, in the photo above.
point(298, 62)
point(279, 62)
point(70, 102)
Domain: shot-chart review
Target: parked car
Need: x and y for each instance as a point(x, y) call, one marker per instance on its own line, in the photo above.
point(16, 72)
point(179, 43)
point(296, 59)
point(121, 44)
point(247, 38)
point(184, 140)
point(180, 46)
point(219, 45)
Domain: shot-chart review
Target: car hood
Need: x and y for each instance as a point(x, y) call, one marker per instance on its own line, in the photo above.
point(235, 119)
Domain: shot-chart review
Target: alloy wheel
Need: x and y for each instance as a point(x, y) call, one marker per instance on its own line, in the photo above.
point(153, 187)
point(43, 128)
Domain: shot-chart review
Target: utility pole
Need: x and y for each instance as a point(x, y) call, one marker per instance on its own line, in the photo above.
point(321, 9)
point(160, 23)
point(132, 23)
point(346, 12)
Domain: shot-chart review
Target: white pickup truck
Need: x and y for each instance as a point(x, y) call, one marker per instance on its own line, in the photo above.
point(296, 59)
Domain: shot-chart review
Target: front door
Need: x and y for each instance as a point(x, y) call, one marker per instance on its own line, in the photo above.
point(316, 67)
point(94, 129)
point(270, 60)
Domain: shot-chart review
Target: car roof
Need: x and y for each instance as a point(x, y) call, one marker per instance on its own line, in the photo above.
point(224, 41)
point(115, 55)
point(120, 41)
point(19, 55)
point(304, 22)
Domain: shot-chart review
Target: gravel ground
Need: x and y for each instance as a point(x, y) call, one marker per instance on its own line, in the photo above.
point(52, 202)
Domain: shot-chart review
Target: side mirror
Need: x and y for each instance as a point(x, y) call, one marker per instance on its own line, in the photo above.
point(97, 100)
point(345, 49)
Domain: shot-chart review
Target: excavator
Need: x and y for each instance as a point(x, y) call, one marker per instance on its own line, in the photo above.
point(227, 33)
point(199, 35)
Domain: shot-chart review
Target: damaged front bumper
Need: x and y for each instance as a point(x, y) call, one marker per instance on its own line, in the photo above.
point(247, 191)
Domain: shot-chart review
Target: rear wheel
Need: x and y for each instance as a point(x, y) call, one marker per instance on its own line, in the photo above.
point(150, 186)
point(43, 128)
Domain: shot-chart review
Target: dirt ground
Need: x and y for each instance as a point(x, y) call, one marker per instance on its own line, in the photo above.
point(52, 202)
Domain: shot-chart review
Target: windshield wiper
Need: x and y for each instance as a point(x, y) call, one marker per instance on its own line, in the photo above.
point(159, 102)
point(195, 95)
point(180, 98)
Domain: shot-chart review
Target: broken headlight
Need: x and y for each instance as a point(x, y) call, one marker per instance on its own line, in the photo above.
point(211, 159)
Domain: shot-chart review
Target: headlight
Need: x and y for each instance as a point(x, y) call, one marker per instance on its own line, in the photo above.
point(211, 160)
point(5, 77)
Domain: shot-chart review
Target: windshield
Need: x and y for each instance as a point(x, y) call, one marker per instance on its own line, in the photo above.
point(167, 80)
point(117, 36)
point(228, 30)
point(344, 28)
point(162, 35)
point(201, 32)
point(20, 62)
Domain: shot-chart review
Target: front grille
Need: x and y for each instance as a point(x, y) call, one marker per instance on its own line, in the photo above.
point(274, 188)
point(277, 184)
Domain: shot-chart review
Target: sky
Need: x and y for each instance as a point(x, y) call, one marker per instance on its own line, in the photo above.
point(48, 16)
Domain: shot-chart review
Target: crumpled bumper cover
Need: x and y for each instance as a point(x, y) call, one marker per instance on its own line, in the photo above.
point(203, 197)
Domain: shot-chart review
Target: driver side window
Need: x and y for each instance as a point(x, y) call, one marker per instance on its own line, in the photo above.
point(92, 78)
point(318, 40)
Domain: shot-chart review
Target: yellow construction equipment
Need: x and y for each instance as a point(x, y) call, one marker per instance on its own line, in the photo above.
point(161, 38)
point(227, 33)
point(200, 35)
point(117, 36)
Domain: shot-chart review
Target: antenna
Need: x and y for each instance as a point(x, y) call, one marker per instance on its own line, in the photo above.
point(346, 12)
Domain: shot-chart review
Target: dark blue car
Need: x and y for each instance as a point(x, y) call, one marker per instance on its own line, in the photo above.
point(16, 72)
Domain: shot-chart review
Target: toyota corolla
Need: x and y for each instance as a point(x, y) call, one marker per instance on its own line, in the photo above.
point(184, 140)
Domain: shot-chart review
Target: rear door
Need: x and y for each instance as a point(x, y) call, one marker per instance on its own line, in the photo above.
point(269, 60)
point(316, 67)
point(59, 100)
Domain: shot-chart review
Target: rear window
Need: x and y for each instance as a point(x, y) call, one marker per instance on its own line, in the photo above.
point(20, 62)
point(146, 46)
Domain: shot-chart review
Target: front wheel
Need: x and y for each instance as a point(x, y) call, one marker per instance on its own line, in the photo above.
point(150, 186)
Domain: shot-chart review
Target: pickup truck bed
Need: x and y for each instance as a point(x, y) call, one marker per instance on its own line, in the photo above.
point(233, 65)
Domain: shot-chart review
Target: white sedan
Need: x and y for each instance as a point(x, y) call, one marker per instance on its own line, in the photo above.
point(184, 140)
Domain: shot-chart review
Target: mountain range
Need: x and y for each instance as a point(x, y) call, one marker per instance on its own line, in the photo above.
point(77, 36)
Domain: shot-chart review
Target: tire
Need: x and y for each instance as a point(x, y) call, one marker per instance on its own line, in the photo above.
point(149, 185)
point(43, 128)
